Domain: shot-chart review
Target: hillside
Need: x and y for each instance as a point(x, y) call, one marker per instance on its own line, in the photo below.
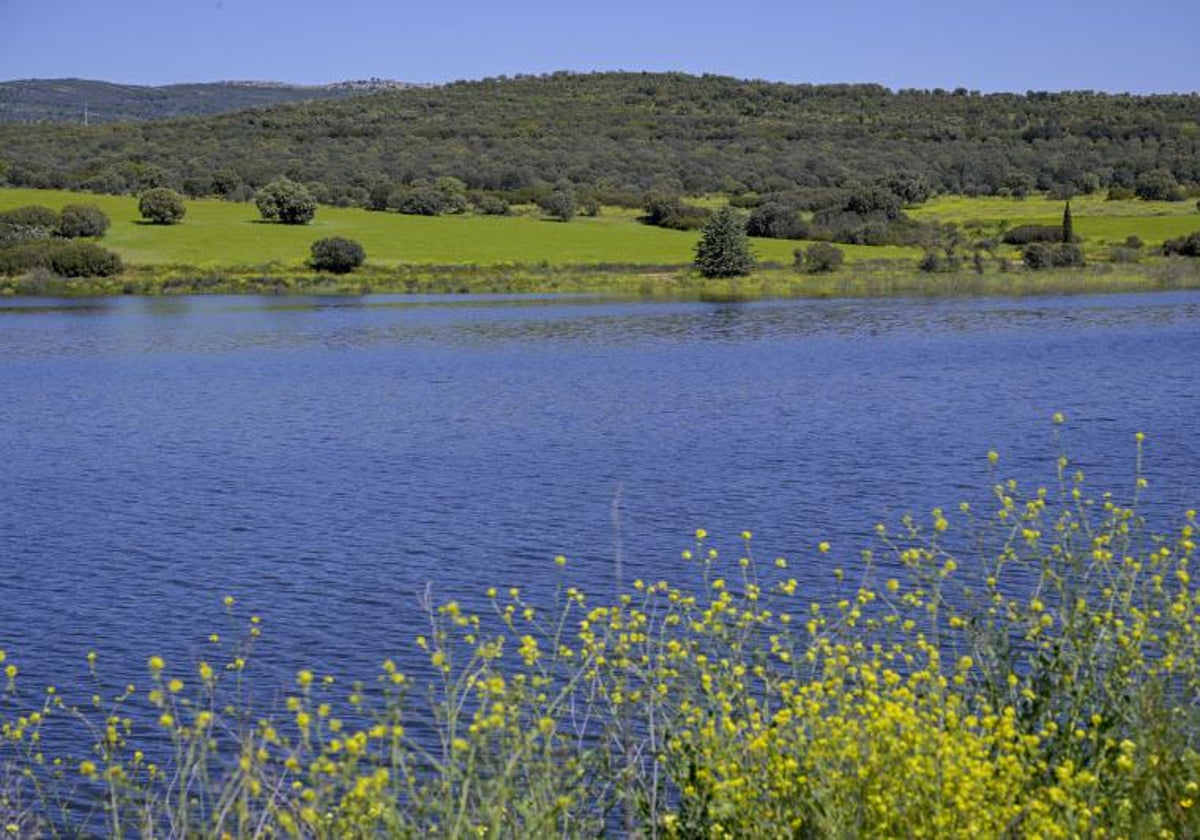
point(629, 131)
point(67, 100)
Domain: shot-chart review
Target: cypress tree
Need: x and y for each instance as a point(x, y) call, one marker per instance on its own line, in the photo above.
point(1068, 229)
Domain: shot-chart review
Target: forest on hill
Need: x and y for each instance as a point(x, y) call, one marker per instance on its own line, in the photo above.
point(620, 134)
point(77, 100)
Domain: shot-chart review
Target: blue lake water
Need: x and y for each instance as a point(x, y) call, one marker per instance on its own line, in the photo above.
point(325, 460)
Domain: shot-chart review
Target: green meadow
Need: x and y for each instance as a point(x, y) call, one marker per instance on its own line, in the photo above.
point(224, 247)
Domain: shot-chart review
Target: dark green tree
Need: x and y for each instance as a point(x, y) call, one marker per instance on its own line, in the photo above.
point(78, 220)
point(559, 204)
point(162, 206)
point(723, 249)
point(1068, 227)
point(823, 257)
point(337, 255)
point(285, 201)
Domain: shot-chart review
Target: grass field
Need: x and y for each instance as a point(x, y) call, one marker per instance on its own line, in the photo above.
point(219, 234)
point(1098, 221)
point(223, 246)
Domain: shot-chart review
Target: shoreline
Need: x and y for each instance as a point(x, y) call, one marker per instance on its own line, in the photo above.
point(874, 279)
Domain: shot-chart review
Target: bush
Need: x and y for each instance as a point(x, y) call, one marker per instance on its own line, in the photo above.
point(666, 210)
point(1041, 255)
point(560, 204)
point(31, 216)
point(64, 258)
point(78, 220)
point(337, 255)
point(1184, 246)
point(823, 257)
point(776, 220)
point(1119, 194)
point(1158, 185)
point(490, 205)
point(161, 206)
point(286, 202)
point(1025, 234)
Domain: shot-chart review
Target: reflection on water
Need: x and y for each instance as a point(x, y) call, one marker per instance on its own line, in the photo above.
point(325, 458)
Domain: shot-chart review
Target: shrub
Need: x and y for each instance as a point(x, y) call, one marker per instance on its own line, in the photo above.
point(1158, 185)
point(1119, 194)
point(287, 202)
point(560, 204)
point(64, 258)
point(337, 255)
point(1041, 255)
point(78, 220)
point(823, 257)
point(1184, 246)
point(490, 205)
point(1025, 234)
point(667, 210)
point(776, 220)
point(162, 206)
point(31, 216)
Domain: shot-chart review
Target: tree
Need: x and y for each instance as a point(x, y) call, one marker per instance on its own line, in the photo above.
point(78, 220)
point(1068, 227)
point(822, 257)
point(560, 204)
point(162, 206)
point(775, 220)
point(337, 255)
point(723, 249)
point(1158, 185)
point(286, 202)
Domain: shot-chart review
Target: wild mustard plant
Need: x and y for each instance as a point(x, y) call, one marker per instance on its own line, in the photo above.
point(1029, 667)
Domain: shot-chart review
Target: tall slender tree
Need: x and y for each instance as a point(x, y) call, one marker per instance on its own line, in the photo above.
point(1068, 227)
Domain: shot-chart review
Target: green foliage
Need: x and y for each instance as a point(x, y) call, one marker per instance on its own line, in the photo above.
point(337, 255)
point(629, 131)
point(666, 209)
point(1184, 246)
point(559, 204)
point(822, 257)
point(162, 206)
point(723, 249)
point(31, 216)
point(1158, 185)
point(63, 257)
point(1025, 234)
point(78, 220)
point(1068, 226)
point(1042, 255)
point(287, 202)
point(776, 220)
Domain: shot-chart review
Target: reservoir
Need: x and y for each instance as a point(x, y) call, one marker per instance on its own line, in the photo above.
point(332, 463)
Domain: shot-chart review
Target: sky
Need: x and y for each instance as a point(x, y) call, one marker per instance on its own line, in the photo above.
point(1016, 45)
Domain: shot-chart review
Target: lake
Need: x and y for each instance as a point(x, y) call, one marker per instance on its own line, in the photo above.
point(327, 460)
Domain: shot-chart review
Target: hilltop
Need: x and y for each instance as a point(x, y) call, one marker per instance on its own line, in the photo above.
point(67, 100)
point(626, 132)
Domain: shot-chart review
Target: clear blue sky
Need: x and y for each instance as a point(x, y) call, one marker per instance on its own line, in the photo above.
point(1015, 45)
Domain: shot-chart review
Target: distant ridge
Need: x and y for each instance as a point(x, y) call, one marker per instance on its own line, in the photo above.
point(80, 100)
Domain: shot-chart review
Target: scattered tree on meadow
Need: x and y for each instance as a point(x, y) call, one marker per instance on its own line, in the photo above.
point(822, 257)
point(337, 255)
point(77, 220)
point(162, 206)
point(1068, 226)
point(723, 249)
point(560, 204)
point(285, 201)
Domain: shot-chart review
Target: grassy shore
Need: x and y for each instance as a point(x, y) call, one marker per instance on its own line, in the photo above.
point(223, 247)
